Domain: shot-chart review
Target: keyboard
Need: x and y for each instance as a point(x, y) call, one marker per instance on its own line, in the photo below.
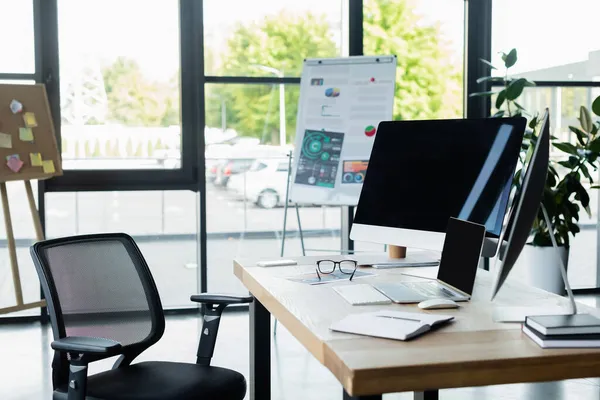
point(429, 289)
point(361, 294)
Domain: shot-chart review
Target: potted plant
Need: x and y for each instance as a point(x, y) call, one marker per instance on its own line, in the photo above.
point(564, 194)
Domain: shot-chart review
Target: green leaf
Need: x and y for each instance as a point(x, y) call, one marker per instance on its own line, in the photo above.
point(490, 79)
point(500, 99)
point(510, 59)
point(499, 114)
point(596, 106)
point(514, 90)
point(594, 145)
point(584, 197)
point(581, 135)
point(565, 164)
point(533, 123)
point(487, 63)
point(585, 118)
point(481, 94)
point(520, 107)
point(566, 147)
point(586, 173)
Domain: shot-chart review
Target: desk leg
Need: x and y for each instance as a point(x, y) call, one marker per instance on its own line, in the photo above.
point(427, 395)
point(370, 397)
point(260, 352)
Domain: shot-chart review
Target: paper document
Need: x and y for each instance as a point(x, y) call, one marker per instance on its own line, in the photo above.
point(313, 279)
point(396, 325)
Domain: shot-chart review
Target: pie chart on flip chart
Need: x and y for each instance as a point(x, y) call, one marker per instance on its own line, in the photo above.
point(370, 130)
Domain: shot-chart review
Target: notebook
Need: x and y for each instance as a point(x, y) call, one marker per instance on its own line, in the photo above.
point(564, 324)
point(395, 325)
point(562, 341)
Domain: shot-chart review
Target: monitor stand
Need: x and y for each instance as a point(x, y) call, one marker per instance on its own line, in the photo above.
point(396, 251)
point(518, 314)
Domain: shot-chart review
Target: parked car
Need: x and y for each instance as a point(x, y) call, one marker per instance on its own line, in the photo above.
point(241, 158)
point(264, 184)
point(229, 167)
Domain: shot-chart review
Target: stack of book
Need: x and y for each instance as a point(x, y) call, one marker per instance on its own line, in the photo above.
point(563, 331)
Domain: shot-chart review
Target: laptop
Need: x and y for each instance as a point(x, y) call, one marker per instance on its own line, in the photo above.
point(456, 275)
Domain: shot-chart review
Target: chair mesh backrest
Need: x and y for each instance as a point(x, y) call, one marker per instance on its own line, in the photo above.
point(103, 289)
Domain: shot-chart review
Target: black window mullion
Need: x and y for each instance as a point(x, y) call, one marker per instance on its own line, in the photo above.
point(478, 45)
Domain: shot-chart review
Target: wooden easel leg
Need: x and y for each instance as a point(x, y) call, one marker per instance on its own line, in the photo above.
point(12, 249)
point(39, 233)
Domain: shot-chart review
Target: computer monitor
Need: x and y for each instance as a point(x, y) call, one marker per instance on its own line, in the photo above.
point(421, 173)
point(525, 206)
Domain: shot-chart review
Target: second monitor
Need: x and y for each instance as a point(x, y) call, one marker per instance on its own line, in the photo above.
point(421, 173)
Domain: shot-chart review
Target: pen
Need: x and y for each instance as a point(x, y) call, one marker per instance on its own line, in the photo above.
point(404, 319)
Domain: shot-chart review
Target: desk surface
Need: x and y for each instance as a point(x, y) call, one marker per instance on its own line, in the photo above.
point(472, 351)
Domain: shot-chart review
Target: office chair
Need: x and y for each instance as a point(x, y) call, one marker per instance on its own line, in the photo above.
point(103, 302)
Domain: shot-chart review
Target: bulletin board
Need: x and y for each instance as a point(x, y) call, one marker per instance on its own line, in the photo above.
point(28, 148)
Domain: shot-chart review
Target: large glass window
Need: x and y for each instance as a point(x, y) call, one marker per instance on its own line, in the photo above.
point(247, 172)
point(163, 223)
point(556, 41)
point(24, 234)
point(427, 36)
point(119, 75)
point(16, 29)
point(269, 38)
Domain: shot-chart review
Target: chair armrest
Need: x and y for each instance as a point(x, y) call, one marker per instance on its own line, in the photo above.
point(86, 345)
point(224, 299)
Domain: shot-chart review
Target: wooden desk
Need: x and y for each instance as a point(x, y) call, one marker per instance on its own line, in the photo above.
point(472, 351)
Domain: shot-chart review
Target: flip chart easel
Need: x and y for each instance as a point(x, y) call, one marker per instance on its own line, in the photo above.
point(28, 151)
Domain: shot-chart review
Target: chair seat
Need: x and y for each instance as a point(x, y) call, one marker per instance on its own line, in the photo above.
point(156, 380)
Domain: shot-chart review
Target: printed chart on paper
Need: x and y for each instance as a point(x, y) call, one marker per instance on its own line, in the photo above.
point(342, 101)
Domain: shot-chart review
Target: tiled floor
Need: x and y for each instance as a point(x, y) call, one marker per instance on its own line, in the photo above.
point(25, 358)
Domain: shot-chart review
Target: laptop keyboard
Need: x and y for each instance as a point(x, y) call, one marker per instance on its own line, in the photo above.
point(429, 289)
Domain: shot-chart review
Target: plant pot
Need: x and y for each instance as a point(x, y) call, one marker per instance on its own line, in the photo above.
point(542, 267)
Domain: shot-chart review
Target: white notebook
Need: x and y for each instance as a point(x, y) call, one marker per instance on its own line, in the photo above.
point(396, 325)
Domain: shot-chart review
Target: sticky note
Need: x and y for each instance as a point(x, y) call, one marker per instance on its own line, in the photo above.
point(15, 106)
point(14, 162)
point(26, 134)
point(48, 166)
point(30, 120)
point(5, 141)
point(36, 159)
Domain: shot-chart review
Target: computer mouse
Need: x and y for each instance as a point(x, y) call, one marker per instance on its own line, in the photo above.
point(436, 304)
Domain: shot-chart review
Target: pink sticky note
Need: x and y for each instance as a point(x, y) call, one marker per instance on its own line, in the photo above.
point(14, 164)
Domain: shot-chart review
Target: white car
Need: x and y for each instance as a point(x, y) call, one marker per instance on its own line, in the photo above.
point(264, 184)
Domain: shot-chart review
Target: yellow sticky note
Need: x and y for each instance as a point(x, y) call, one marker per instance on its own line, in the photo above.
point(36, 160)
point(5, 141)
point(48, 166)
point(29, 119)
point(26, 134)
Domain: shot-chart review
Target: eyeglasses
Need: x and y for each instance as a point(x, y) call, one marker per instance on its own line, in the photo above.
point(347, 267)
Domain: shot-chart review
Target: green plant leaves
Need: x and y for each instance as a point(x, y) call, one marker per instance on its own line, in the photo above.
point(487, 63)
point(581, 135)
point(490, 79)
point(594, 145)
point(499, 114)
point(596, 106)
point(501, 97)
point(585, 118)
point(510, 59)
point(566, 147)
point(515, 88)
point(483, 94)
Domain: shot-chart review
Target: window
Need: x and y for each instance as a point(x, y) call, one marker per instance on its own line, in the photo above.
point(556, 41)
point(427, 37)
point(268, 37)
point(16, 30)
point(163, 223)
point(119, 86)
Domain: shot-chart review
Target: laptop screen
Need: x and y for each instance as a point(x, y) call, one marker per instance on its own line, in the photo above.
point(460, 255)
